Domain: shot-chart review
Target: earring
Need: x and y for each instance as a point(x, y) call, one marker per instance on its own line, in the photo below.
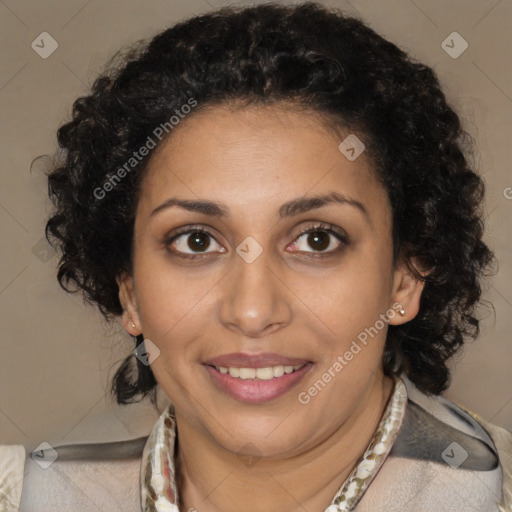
point(401, 311)
point(133, 325)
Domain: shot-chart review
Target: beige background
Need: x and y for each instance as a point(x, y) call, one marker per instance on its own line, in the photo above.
point(57, 355)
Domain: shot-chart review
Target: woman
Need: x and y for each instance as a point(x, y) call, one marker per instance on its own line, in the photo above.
point(276, 203)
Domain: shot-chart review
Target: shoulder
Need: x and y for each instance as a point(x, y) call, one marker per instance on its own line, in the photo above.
point(82, 477)
point(12, 461)
point(443, 458)
point(437, 430)
point(502, 440)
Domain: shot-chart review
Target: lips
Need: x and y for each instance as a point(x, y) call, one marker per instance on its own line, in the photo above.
point(244, 376)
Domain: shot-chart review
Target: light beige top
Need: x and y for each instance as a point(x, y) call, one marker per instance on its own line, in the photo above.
point(413, 478)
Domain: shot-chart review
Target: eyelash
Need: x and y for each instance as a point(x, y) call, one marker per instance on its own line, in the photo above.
point(327, 228)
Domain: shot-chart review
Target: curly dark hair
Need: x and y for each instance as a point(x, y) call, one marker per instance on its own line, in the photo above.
point(333, 65)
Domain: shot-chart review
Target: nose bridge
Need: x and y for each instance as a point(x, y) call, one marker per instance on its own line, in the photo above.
point(254, 299)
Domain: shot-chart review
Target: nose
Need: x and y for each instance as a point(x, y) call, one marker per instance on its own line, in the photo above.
point(255, 300)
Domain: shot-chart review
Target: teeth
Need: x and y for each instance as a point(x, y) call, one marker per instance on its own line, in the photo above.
point(234, 372)
point(267, 373)
point(264, 373)
point(278, 371)
point(247, 373)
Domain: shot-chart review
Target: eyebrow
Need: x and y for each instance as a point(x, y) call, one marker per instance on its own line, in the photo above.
point(288, 209)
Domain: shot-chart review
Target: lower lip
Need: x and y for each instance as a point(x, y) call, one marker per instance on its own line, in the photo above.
point(257, 391)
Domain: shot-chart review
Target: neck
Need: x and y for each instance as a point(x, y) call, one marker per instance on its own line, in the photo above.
point(212, 479)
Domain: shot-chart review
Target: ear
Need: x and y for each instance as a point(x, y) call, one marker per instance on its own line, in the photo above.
point(407, 290)
point(127, 297)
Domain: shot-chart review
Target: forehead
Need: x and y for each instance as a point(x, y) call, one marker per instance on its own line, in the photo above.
point(257, 156)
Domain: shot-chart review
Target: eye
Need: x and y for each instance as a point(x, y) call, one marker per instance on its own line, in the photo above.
point(192, 242)
point(321, 238)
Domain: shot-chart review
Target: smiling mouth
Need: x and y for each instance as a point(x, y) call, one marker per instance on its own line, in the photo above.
point(265, 373)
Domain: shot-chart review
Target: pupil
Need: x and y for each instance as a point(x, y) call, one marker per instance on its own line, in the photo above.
point(319, 239)
point(198, 240)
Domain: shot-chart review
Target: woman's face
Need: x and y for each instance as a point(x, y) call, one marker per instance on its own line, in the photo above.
point(252, 290)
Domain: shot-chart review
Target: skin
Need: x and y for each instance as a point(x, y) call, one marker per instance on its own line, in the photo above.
point(293, 300)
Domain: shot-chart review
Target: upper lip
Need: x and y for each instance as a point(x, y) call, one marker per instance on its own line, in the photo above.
point(241, 360)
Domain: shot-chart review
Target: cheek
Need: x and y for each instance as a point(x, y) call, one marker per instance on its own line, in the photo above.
point(350, 308)
point(170, 300)
point(350, 297)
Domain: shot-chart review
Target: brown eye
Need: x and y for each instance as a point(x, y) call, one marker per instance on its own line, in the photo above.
point(198, 241)
point(192, 242)
point(320, 239)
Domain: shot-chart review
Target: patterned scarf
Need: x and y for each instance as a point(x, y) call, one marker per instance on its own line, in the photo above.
point(159, 492)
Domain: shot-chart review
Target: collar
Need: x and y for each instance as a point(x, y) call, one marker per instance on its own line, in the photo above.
point(158, 480)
